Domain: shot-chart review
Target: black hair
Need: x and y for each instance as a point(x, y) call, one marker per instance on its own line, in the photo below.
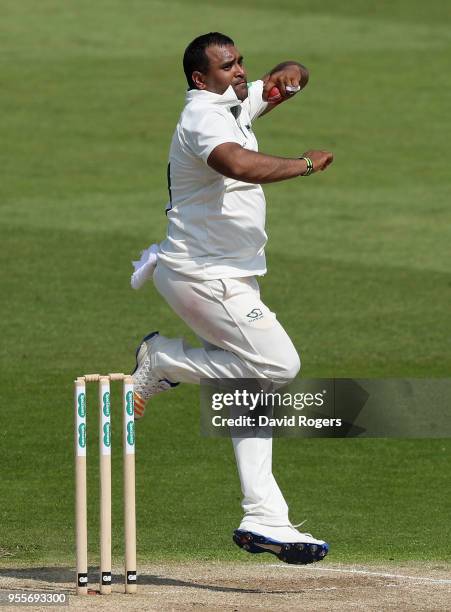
point(195, 57)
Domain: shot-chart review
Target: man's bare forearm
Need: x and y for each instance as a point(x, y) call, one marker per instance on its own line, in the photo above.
point(233, 161)
point(251, 167)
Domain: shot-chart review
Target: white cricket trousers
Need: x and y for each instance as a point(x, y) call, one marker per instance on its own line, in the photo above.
point(241, 339)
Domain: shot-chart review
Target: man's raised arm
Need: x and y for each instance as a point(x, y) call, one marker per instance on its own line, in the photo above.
point(233, 161)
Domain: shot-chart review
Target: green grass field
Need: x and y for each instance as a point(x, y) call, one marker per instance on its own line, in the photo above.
point(358, 262)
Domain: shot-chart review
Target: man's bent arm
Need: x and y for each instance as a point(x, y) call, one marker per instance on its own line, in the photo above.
point(233, 161)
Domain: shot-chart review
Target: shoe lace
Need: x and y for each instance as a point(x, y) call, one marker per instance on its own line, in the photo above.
point(299, 525)
point(149, 386)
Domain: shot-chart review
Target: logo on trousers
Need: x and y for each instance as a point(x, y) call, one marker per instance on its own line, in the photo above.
point(254, 315)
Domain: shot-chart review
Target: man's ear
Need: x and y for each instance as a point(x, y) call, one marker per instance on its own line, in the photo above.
point(198, 79)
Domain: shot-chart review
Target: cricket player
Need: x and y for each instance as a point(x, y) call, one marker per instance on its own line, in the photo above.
point(207, 267)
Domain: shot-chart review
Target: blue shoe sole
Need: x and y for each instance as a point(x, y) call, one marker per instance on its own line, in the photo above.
point(296, 553)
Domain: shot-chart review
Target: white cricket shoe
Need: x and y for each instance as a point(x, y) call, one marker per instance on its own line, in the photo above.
point(146, 383)
point(286, 542)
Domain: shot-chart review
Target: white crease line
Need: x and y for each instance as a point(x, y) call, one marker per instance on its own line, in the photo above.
point(364, 572)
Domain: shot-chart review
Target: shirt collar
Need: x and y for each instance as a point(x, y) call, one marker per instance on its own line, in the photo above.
point(227, 99)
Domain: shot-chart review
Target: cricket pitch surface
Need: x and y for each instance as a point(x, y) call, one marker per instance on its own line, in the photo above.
point(249, 586)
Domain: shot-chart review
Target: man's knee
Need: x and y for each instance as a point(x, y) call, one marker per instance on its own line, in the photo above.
point(284, 370)
point(291, 367)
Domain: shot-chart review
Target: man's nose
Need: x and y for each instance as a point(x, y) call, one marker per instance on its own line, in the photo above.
point(239, 71)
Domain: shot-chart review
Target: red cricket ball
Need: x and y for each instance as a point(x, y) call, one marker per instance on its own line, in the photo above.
point(274, 95)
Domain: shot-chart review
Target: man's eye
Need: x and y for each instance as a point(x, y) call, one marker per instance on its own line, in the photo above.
point(227, 67)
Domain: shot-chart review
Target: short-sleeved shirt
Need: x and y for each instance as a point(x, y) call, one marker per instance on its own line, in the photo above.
point(216, 225)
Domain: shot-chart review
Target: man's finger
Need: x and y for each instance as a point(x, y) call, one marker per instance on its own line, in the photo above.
point(268, 85)
point(327, 162)
point(282, 88)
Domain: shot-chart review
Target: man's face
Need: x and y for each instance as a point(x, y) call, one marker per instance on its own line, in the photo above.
point(225, 68)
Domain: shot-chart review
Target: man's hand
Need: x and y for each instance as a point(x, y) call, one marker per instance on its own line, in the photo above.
point(320, 159)
point(289, 73)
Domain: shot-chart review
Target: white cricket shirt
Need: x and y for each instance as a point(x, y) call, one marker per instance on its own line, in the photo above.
point(216, 225)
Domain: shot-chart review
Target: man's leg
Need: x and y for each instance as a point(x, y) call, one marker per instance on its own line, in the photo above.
point(247, 339)
point(262, 501)
point(242, 339)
